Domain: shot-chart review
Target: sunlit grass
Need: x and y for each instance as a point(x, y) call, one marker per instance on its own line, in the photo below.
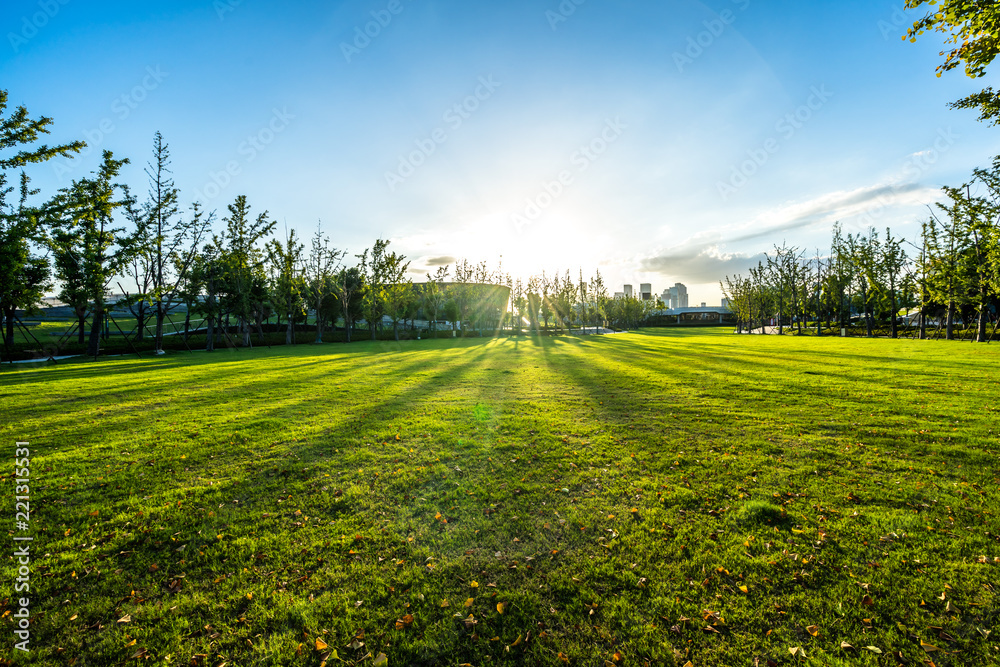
point(666, 496)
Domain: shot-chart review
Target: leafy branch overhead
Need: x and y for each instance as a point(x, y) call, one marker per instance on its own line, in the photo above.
point(972, 29)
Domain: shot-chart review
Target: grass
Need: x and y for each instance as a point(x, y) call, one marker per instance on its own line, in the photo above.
point(653, 498)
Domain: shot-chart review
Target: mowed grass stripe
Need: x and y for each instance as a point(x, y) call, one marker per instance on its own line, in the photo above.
point(238, 506)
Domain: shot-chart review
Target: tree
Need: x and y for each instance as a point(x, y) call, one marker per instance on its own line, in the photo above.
point(375, 270)
point(349, 287)
point(169, 243)
point(23, 275)
point(321, 267)
point(433, 296)
point(398, 292)
point(971, 27)
point(87, 239)
point(242, 281)
point(29, 275)
point(288, 283)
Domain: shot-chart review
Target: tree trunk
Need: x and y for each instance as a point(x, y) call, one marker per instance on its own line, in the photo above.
point(187, 323)
point(289, 334)
point(395, 330)
point(892, 302)
point(9, 325)
point(95, 331)
point(348, 326)
point(210, 325)
point(371, 327)
point(319, 325)
point(160, 316)
point(950, 328)
point(981, 327)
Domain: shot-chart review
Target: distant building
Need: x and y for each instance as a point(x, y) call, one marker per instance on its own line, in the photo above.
point(646, 292)
point(619, 295)
point(628, 291)
point(676, 296)
point(725, 303)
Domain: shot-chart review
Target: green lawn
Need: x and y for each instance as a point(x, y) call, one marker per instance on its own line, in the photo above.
point(655, 497)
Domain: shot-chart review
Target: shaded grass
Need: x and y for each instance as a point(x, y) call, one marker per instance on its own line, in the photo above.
point(667, 496)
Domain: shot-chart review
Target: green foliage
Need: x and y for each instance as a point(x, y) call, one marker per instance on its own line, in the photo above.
point(971, 28)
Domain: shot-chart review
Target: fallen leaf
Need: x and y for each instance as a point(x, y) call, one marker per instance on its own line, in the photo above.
point(846, 646)
point(382, 660)
point(320, 644)
point(813, 630)
point(500, 607)
point(468, 603)
point(797, 651)
point(127, 618)
point(928, 648)
point(867, 601)
point(474, 584)
point(874, 649)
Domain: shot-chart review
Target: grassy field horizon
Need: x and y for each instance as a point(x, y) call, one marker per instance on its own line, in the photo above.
point(658, 497)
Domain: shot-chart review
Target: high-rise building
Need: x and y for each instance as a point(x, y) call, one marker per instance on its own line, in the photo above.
point(646, 292)
point(628, 291)
point(682, 295)
point(676, 296)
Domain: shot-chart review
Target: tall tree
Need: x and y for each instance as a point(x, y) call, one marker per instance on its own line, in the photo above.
point(349, 287)
point(320, 270)
point(433, 296)
point(23, 274)
point(170, 242)
point(243, 281)
point(288, 281)
point(86, 236)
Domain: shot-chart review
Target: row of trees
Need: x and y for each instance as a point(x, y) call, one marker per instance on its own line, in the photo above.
point(91, 237)
point(950, 274)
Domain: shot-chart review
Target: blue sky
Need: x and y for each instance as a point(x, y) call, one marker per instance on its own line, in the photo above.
point(655, 141)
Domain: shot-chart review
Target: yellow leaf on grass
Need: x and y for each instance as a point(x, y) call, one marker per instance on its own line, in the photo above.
point(562, 656)
point(320, 644)
point(813, 630)
point(131, 643)
point(468, 603)
point(474, 584)
point(445, 603)
point(929, 648)
point(744, 589)
point(500, 607)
